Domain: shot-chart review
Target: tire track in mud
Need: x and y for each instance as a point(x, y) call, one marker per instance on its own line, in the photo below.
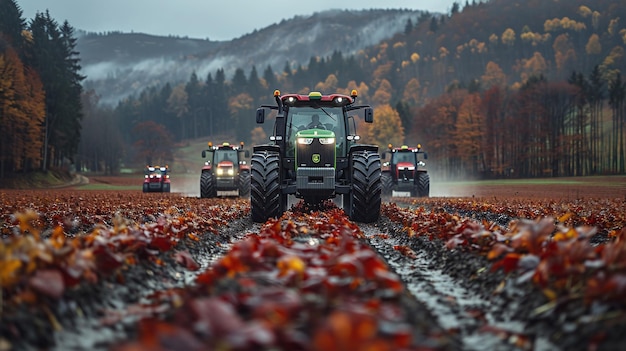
point(456, 308)
point(140, 283)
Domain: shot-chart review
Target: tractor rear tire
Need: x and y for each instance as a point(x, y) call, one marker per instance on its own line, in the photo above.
point(244, 184)
point(166, 187)
point(266, 200)
point(366, 187)
point(207, 185)
point(423, 184)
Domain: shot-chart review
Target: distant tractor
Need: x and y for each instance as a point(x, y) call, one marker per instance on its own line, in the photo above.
point(313, 154)
point(405, 174)
point(225, 171)
point(156, 179)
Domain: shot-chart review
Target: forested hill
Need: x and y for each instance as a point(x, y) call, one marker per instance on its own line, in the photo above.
point(117, 65)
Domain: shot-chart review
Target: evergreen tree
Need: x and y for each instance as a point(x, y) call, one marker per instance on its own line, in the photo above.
point(11, 23)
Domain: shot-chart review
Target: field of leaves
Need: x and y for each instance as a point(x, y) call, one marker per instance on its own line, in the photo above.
point(137, 264)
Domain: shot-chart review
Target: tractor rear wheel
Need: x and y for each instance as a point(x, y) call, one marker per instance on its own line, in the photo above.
point(207, 185)
point(266, 200)
point(366, 187)
point(423, 184)
point(244, 184)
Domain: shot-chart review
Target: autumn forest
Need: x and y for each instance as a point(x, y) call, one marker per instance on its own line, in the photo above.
point(493, 89)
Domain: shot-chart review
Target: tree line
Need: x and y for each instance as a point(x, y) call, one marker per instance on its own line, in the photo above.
point(493, 89)
point(40, 92)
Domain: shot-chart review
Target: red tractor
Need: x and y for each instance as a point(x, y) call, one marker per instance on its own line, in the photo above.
point(225, 171)
point(156, 179)
point(405, 174)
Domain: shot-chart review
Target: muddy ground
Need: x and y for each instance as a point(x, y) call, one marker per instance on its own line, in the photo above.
point(449, 293)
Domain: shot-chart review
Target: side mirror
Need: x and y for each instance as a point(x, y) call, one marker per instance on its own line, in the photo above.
point(247, 153)
point(425, 156)
point(384, 155)
point(260, 115)
point(203, 153)
point(369, 115)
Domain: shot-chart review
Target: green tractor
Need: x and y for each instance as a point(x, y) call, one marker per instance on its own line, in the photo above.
point(313, 154)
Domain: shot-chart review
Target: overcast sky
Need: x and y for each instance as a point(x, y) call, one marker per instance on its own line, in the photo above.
point(215, 20)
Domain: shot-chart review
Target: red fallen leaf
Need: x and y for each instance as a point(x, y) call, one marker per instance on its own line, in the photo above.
point(162, 243)
point(508, 263)
point(405, 250)
point(156, 335)
point(48, 282)
point(184, 259)
point(497, 250)
point(216, 317)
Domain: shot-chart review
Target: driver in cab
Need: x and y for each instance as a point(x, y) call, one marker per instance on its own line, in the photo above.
point(315, 123)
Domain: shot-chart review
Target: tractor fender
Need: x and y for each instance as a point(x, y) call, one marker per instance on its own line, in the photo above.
point(244, 168)
point(269, 148)
point(363, 147)
point(206, 167)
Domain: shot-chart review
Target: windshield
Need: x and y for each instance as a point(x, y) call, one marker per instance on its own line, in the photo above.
point(301, 118)
point(226, 155)
point(404, 157)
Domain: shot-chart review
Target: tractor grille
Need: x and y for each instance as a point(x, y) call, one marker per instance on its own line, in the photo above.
point(307, 155)
point(405, 175)
point(315, 178)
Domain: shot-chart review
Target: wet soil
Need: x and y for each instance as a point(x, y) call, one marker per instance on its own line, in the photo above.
point(453, 290)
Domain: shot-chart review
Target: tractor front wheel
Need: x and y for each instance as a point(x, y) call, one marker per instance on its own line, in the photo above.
point(266, 200)
point(366, 187)
point(423, 184)
point(244, 184)
point(207, 185)
point(387, 184)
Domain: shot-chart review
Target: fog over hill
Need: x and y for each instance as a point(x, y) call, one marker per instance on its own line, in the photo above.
point(120, 64)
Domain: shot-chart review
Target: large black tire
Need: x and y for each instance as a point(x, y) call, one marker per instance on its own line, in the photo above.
point(423, 184)
point(244, 184)
point(166, 187)
point(266, 200)
point(146, 187)
point(207, 185)
point(387, 184)
point(366, 187)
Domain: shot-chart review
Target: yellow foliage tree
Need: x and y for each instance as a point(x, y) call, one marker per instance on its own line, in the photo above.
point(22, 113)
point(411, 93)
point(470, 132)
point(494, 76)
point(387, 127)
point(593, 46)
point(329, 85)
point(382, 95)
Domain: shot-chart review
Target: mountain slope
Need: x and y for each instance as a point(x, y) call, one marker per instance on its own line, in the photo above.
point(117, 65)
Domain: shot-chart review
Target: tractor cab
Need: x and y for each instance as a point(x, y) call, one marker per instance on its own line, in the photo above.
point(225, 171)
point(405, 173)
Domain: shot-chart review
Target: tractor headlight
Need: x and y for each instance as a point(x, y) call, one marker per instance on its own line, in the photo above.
point(220, 171)
point(421, 163)
point(326, 141)
point(305, 141)
point(231, 172)
point(146, 176)
point(411, 168)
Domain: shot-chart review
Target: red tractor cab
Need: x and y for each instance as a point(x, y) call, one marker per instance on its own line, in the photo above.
point(405, 173)
point(225, 171)
point(156, 179)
